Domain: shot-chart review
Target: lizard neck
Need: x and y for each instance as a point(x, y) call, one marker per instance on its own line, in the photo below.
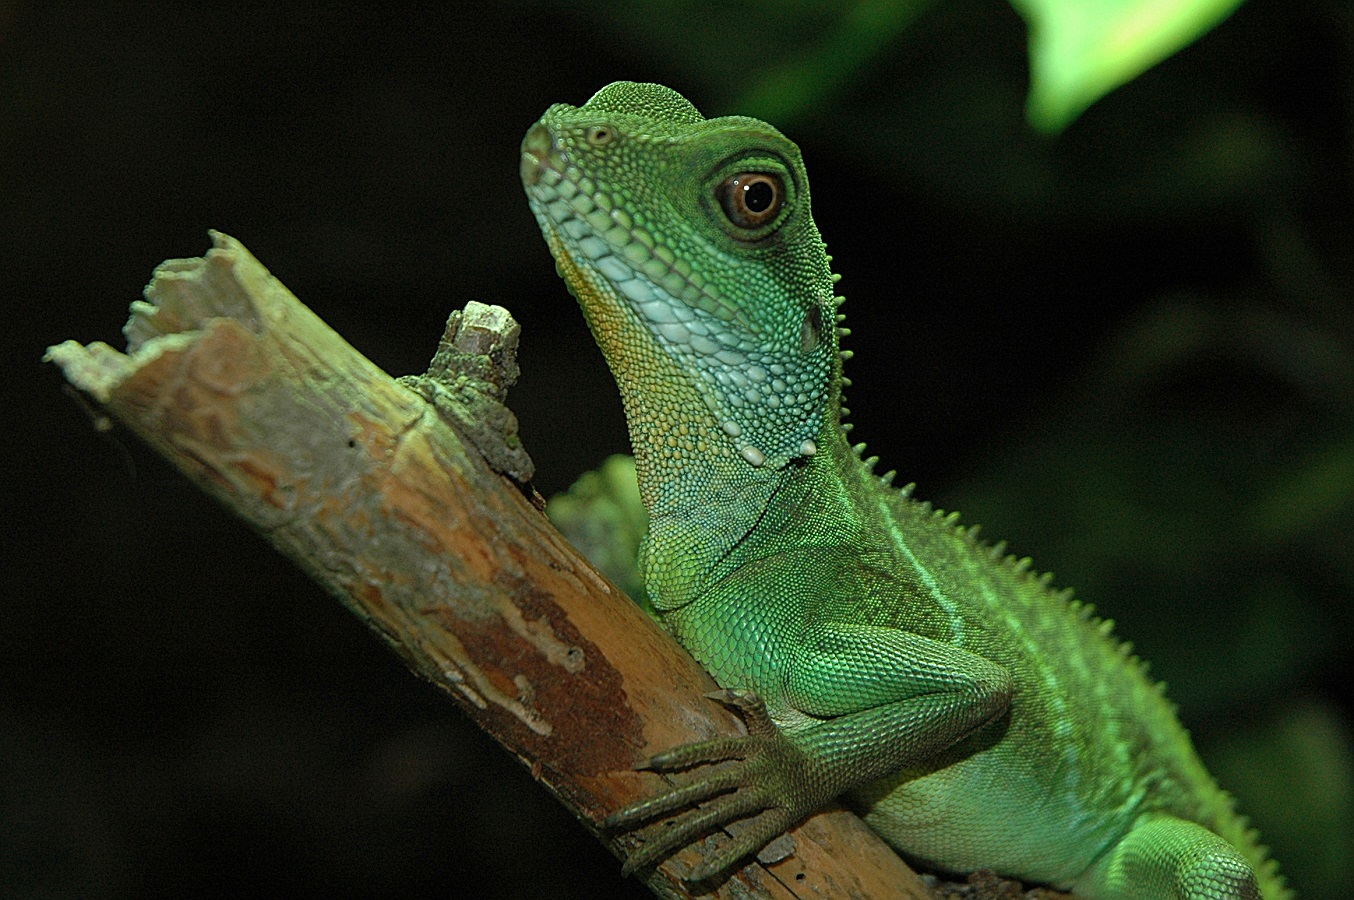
point(703, 497)
point(684, 459)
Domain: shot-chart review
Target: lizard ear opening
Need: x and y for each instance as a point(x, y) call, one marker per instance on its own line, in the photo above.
point(811, 333)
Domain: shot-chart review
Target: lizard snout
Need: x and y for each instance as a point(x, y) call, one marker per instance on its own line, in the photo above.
point(535, 153)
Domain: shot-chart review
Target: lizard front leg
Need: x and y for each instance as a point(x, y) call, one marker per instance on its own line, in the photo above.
point(860, 702)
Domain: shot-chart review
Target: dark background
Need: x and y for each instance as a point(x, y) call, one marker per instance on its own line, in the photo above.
point(1129, 350)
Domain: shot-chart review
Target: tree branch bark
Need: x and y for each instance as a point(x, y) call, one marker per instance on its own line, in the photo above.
point(365, 484)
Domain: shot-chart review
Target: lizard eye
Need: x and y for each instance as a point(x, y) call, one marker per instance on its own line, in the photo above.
point(751, 199)
point(600, 135)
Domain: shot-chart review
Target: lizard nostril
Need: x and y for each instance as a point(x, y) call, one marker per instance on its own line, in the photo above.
point(538, 139)
point(535, 150)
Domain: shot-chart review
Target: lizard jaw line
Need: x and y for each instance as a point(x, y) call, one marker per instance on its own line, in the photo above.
point(616, 262)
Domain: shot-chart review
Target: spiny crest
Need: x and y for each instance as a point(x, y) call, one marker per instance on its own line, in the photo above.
point(842, 333)
point(997, 553)
point(1085, 612)
point(1022, 567)
point(1238, 831)
point(654, 101)
point(1270, 867)
point(1105, 628)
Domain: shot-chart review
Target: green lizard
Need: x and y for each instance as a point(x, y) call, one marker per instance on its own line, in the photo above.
point(974, 716)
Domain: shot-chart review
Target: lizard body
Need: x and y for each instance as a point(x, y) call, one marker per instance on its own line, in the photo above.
point(974, 716)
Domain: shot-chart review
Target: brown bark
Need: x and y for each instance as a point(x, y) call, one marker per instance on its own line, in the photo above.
point(366, 484)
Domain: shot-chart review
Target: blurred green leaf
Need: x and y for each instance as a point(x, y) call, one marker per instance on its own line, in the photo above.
point(1081, 50)
point(1317, 489)
point(803, 79)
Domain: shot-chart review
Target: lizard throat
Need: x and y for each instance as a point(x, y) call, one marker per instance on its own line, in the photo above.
point(768, 407)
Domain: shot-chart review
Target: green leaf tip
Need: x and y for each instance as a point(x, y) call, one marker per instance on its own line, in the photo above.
point(1080, 50)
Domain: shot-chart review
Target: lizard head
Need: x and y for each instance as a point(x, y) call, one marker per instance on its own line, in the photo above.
point(690, 246)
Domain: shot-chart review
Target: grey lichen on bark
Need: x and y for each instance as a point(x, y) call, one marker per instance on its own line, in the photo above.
point(468, 381)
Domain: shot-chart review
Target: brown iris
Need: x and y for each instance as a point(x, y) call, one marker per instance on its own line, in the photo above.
point(751, 199)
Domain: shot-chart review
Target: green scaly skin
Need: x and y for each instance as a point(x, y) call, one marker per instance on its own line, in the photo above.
point(975, 717)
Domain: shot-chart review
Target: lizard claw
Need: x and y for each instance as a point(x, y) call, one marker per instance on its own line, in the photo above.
point(750, 707)
point(767, 783)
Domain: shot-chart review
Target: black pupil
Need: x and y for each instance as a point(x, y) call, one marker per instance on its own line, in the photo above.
point(758, 196)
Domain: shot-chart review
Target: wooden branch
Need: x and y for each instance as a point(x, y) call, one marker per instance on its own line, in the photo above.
point(365, 484)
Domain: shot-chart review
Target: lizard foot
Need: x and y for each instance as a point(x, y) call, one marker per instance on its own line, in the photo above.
point(770, 784)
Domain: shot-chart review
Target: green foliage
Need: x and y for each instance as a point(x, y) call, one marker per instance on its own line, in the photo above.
point(1081, 50)
point(601, 514)
point(829, 63)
